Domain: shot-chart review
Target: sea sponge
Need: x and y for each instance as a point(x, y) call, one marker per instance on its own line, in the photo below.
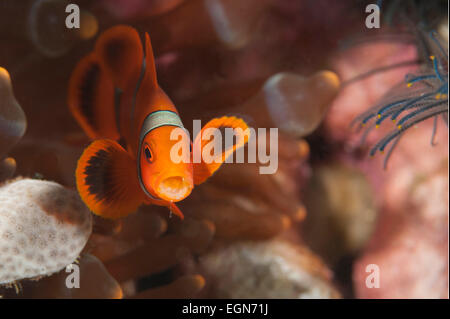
point(43, 228)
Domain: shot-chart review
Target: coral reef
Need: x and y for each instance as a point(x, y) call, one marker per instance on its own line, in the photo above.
point(43, 228)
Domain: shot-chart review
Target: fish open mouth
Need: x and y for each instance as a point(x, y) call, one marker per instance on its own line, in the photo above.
point(174, 188)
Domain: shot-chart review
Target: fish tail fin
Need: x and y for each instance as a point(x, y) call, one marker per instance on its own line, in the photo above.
point(121, 53)
point(107, 180)
point(205, 169)
point(91, 99)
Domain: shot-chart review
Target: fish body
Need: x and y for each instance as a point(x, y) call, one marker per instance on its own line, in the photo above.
point(115, 97)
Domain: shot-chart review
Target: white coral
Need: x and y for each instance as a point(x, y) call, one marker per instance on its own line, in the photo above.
point(43, 228)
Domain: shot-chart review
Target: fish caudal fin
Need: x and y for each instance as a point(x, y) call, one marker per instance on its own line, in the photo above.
point(91, 99)
point(121, 53)
point(207, 167)
point(107, 180)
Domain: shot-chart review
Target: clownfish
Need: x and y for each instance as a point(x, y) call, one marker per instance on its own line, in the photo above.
point(115, 98)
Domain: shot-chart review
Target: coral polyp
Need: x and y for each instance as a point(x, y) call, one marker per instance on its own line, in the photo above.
point(420, 97)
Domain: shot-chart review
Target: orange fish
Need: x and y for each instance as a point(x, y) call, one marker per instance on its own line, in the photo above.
point(115, 97)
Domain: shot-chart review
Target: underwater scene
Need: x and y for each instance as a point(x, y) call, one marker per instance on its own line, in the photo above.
point(224, 149)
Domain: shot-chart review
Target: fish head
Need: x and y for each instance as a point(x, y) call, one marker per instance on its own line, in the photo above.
point(165, 168)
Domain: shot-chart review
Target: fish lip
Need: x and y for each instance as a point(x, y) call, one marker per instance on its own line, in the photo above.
point(174, 188)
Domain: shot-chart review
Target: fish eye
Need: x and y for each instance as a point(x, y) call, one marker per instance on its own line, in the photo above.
point(148, 153)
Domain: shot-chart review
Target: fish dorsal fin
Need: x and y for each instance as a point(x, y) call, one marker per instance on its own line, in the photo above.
point(120, 51)
point(150, 62)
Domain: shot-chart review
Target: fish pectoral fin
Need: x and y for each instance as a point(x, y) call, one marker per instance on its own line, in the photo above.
point(107, 180)
point(207, 166)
